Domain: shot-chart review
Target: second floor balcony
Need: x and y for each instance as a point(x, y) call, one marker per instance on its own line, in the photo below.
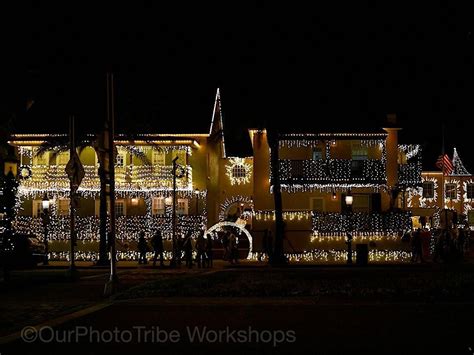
point(369, 171)
point(143, 176)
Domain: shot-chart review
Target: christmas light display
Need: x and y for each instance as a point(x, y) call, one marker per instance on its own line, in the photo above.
point(340, 256)
point(360, 223)
point(459, 168)
point(467, 201)
point(448, 200)
point(295, 188)
point(127, 227)
point(232, 200)
point(409, 174)
point(238, 171)
point(269, 215)
point(220, 226)
point(417, 192)
point(323, 172)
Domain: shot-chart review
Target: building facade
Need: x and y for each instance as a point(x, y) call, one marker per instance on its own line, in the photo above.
point(317, 172)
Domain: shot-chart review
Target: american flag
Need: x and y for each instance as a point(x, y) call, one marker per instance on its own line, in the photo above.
point(444, 163)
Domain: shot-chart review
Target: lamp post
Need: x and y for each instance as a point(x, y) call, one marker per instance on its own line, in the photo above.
point(349, 200)
point(45, 217)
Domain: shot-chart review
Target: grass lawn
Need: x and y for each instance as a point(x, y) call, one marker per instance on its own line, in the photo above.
point(454, 284)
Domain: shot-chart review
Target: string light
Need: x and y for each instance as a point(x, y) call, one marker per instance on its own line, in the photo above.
point(232, 200)
point(238, 171)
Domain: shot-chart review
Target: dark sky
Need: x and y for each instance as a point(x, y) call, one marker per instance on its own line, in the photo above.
point(315, 68)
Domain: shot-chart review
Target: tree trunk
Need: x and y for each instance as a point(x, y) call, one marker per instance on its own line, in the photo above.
point(103, 257)
point(278, 252)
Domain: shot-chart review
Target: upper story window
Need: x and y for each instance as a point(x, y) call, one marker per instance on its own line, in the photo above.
point(42, 159)
point(238, 171)
point(470, 191)
point(158, 158)
point(120, 160)
point(317, 153)
point(62, 158)
point(451, 191)
point(428, 189)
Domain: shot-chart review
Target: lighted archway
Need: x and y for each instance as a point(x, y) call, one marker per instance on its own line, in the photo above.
point(241, 227)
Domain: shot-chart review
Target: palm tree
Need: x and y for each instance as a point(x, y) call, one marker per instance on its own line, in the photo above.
point(60, 144)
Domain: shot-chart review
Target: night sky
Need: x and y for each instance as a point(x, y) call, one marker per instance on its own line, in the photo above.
point(318, 68)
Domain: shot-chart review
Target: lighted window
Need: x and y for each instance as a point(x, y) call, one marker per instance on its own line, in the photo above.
point(119, 208)
point(238, 171)
point(470, 191)
point(451, 192)
point(182, 206)
point(181, 154)
point(158, 205)
point(120, 160)
point(63, 207)
point(62, 158)
point(37, 208)
point(42, 159)
point(359, 152)
point(158, 158)
point(317, 154)
point(428, 189)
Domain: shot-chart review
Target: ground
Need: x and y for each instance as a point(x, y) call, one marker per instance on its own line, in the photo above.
point(392, 309)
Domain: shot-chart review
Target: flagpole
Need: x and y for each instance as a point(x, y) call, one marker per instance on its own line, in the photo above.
point(443, 192)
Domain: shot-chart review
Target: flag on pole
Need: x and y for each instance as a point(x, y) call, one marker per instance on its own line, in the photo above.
point(445, 164)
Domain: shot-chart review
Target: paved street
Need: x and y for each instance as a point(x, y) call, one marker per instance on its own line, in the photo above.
point(329, 323)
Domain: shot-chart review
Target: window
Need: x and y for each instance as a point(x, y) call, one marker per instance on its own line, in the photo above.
point(120, 160)
point(470, 217)
point(62, 158)
point(42, 159)
point(238, 171)
point(361, 203)
point(37, 208)
point(158, 158)
point(158, 205)
point(451, 192)
point(182, 206)
point(63, 207)
point(119, 208)
point(181, 154)
point(428, 189)
point(359, 152)
point(470, 191)
point(317, 154)
point(317, 204)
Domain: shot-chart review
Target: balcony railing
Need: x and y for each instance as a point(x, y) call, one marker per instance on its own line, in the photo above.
point(146, 176)
point(361, 222)
point(127, 227)
point(332, 171)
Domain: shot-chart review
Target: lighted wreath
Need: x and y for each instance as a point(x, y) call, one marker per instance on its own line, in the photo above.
point(238, 171)
point(25, 172)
